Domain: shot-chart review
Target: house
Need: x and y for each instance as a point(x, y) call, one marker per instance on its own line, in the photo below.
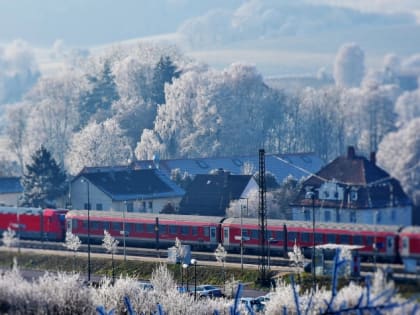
point(10, 191)
point(119, 189)
point(211, 194)
point(353, 189)
point(281, 166)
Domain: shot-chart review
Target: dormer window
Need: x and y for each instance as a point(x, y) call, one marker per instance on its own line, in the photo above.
point(353, 195)
point(331, 191)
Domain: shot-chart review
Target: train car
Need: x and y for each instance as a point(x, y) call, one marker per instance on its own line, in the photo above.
point(410, 243)
point(281, 236)
point(146, 229)
point(34, 223)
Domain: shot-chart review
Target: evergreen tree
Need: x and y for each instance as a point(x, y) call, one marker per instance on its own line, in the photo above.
point(43, 180)
point(164, 72)
point(97, 103)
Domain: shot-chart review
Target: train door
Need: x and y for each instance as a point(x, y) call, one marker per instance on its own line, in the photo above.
point(405, 250)
point(226, 236)
point(390, 246)
point(213, 237)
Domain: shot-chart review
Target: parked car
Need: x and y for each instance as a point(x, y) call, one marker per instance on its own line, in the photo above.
point(145, 285)
point(253, 303)
point(206, 290)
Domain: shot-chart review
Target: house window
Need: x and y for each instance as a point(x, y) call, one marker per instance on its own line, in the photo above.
point(87, 206)
point(353, 195)
point(130, 206)
point(353, 216)
point(150, 204)
point(327, 216)
point(99, 206)
point(307, 214)
point(378, 217)
point(144, 206)
point(393, 215)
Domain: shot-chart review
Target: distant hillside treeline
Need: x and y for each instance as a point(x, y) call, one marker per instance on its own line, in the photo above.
point(132, 103)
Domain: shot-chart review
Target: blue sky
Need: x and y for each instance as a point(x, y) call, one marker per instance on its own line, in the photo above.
point(280, 37)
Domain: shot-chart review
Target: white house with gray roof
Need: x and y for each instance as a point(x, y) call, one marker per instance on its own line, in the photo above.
point(124, 189)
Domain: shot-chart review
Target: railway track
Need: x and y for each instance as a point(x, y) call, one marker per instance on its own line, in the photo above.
point(275, 262)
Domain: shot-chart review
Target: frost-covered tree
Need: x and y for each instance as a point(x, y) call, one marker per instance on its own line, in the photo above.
point(297, 259)
point(399, 154)
point(96, 105)
point(72, 243)
point(10, 239)
point(111, 246)
point(220, 253)
point(407, 107)
point(98, 144)
point(183, 180)
point(349, 65)
point(211, 113)
point(43, 180)
point(164, 72)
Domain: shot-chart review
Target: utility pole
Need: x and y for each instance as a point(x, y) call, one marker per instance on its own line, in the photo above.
point(262, 219)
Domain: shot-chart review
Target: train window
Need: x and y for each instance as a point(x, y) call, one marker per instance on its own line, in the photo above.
point(369, 240)
point(74, 223)
point(357, 240)
point(185, 230)
point(194, 230)
point(150, 228)
point(405, 242)
point(304, 237)
point(245, 233)
point(128, 227)
point(162, 229)
point(279, 235)
point(345, 239)
point(319, 238)
point(95, 225)
point(291, 236)
point(85, 225)
point(206, 231)
point(173, 229)
point(139, 227)
point(116, 226)
point(331, 238)
point(254, 234)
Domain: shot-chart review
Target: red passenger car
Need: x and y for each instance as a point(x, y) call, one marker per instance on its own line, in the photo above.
point(145, 229)
point(34, 223)
point(280, 232)
point(410, 243)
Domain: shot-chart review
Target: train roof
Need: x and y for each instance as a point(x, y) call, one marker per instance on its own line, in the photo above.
point(94, 214)
point(318, 225)
point(20, 210)
point(411, 229)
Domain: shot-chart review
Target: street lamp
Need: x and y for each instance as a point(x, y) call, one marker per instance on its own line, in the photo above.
point(311, 195)
point(194, 262)
point(185, 266)
point(88, 223)
point(269, 241)
point(123, 231)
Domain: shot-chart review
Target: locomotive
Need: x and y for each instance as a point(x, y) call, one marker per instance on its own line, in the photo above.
point(386, 243)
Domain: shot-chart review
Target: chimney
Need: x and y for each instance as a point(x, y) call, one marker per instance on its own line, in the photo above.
point(373, 157)
point(350, 153)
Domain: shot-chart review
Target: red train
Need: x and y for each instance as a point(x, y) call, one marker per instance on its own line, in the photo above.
point(34, 223)
point(202, 232)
